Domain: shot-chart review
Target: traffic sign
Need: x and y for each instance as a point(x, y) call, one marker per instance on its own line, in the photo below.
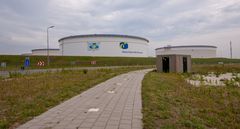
point(40, 63)
point(27, 62)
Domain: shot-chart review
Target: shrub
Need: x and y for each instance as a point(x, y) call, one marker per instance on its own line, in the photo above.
point(14, 74)
point(230, 82)
point(85, 71)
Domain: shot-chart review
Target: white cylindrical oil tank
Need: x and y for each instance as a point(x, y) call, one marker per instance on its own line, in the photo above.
point(196, 51)
point(43, 52)
point(108, 45)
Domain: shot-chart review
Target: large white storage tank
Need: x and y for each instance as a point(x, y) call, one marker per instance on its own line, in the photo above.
point(196, 51)
point(43, 52)
point(109, 45)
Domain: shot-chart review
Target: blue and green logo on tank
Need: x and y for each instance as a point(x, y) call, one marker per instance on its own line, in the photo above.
point(92, 46)
point(123, 45)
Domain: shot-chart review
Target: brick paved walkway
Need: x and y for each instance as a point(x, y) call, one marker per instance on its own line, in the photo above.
point(114, 104)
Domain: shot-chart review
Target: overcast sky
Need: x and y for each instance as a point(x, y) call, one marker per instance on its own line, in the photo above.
point(23, 23)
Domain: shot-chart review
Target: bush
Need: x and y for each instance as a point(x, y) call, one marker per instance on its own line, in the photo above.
point(85, 71)
point(3, 124)
point(230, 82)
point(15, 74)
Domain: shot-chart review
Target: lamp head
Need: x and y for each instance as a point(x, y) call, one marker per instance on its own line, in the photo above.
point(50, 26)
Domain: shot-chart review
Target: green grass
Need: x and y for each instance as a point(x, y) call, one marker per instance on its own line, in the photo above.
point(170, 103)
point(15, 62)
point(215, 61)
point(205, 68)
point(23, 97)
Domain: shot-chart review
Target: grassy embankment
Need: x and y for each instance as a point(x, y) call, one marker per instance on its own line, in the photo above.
point(215, 61)
point(15, 62)
point(23, 97)
point(204, 66)
point(217, 68)
point(170, 103)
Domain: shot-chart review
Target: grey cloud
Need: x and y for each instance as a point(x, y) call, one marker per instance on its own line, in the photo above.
point(26, 7)
point(232, 8)
point(158, 20)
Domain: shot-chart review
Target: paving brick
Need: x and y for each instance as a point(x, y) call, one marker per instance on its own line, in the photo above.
point(90, 120)
point(113, 122)
point(128, 122)
point(111, 127)
point(103, 119)
point(100, 124)
point(124, 126)
point(97, 127)
point(87, 124)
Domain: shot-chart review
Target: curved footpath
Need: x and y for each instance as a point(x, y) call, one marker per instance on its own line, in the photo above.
point(113, 104)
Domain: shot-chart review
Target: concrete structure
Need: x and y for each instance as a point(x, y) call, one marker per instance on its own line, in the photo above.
point(26, 54)
point(174, 63)
point(43, 52)
point(196, 51)
point(114, 104)
point(109, 45)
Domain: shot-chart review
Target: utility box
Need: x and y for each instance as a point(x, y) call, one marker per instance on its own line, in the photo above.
point(174, 63)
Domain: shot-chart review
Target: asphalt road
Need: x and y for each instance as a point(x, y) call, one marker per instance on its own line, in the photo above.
point(6, 74)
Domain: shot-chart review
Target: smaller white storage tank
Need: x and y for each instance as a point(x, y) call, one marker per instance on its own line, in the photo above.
point(196, 51)
point(43, 52)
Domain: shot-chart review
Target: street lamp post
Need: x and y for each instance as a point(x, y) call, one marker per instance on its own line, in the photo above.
point(48, 60)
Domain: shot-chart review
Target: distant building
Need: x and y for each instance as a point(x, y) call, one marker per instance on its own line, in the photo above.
point(196, 51)
point(43, 52)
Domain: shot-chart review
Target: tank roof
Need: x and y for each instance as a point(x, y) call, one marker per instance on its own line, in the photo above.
point(103, 35)
point(187, 46)
point(42, 49)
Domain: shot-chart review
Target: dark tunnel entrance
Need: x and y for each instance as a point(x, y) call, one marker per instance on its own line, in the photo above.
point(185, 67)
point(165, 64)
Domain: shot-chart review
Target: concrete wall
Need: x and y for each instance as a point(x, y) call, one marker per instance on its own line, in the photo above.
point(108, 46)
point(175, 62)
point(179, 63)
